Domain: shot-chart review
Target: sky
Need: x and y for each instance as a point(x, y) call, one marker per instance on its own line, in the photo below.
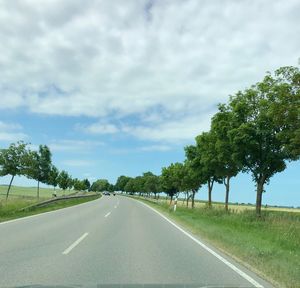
point(120, 87)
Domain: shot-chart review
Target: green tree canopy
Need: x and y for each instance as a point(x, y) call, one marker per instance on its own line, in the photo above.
point(121, 183)
point(204, 161)
point(130, 187)
point(81, 185)
point(152, 183)
point(284, 94)
point(63, 180)
point(171, 179)
point(39, 166)
point(191, 180)
point(264, 142)
point(100, 185)
point(53, 176)
point(13, 161)
point(86, 184)
point(222, 123)
point(70, 182)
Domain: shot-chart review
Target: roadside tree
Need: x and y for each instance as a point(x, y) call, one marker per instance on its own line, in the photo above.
point(226, 153)
point(13, 161)
point(63, 180)
point(39, 166)
point(265, 142)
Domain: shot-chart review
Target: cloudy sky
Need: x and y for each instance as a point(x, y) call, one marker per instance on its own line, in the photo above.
point(120, 87)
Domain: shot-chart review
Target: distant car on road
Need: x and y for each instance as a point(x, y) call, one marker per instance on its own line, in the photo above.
point(106, 193)
point(114, 193)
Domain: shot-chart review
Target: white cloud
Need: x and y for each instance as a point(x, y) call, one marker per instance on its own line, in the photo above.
point(68, 145)
point(9, 126)
point(98, 128)
point(145, 148)
point(166, 129)
point(151, 148)
point(158, 63)
point(77, 163)
point(173, 131)
point(11, 132)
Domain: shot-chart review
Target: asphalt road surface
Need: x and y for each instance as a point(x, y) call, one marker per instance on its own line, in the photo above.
point(111, 240)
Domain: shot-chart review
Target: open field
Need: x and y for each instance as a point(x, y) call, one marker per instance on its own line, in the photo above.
point(232, 207)
point(270, 245)
point(20, 197)
point(11, 209)
point(31, 192)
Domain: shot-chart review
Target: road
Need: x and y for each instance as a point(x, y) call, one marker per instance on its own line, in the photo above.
point(111, 240)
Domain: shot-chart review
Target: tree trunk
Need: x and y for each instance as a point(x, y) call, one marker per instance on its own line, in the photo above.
point(227, 185)
point(193, 198)
point(185, 198)
point(259, 190)
point(171, 199)
point(9, 186)
point(38, 190)
point(210, 184)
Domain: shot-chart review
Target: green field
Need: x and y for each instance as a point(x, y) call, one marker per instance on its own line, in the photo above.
point(234, 207)
point(30, 192)
point(20, 197)
point(11, 209)
point(270, 245)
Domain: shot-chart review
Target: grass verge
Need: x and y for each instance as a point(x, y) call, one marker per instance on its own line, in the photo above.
point(269, 246)
point(11, 209)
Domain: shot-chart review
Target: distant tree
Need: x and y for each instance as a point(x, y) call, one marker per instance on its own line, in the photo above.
point(171, 179)
point(121, 183)
point(94, 187)
point(130, 187)
point(13, 161)
point(205, 162)
point(100, 185)
point(53, 176)
point(70, 183)
point(111, 187)
point(82, 185)
point(151, 184)
point(191, 181)
point(86, 184)
point(63, 180)
point(138, 184)
point(77, 184)
point(39, 166)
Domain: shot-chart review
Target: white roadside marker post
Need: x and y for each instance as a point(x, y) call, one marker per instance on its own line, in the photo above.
point(175, 204)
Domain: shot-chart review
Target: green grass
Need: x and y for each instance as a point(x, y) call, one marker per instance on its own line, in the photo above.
point(238, 207)
point(30, 192)
point(270, 245)
point(11, 209)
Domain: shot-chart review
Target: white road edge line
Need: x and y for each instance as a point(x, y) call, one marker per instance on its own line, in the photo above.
point(107, 214)
point(67, 251)
point(226, 262)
